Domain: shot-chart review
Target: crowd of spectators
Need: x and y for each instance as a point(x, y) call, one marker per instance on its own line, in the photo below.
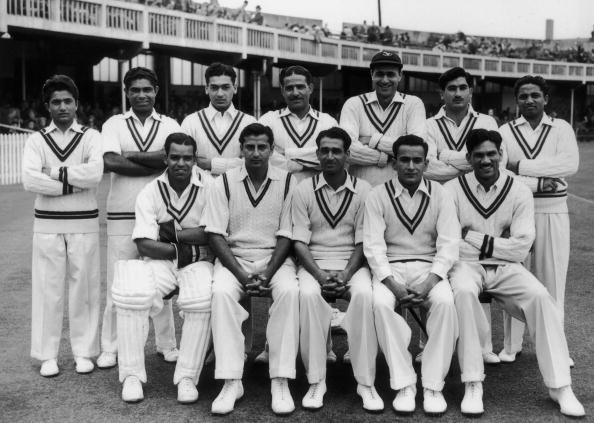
point(212, 8)
point(465, 44)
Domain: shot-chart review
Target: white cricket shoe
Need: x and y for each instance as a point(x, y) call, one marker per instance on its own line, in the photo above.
point(472, 403)
point(225, 401)
point(433, 402)
point(262, 358)
point(49, 368)
point(186, 391)
point(507, 357)
point(282, 402)
point(372, 402)
point(570, 405)
point(314, 399)
point(107, 360)
point(170, 355)
point(491, 358)
point(404, 402)
point(132, 390)
point(83, 365)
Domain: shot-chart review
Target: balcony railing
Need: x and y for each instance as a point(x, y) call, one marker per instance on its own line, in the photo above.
point(139, 23)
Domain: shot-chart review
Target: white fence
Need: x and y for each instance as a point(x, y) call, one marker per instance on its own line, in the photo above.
point(11, 157)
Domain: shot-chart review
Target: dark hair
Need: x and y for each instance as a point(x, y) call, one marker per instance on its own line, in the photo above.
point(335, 133)
point(255, 129)
point(140, 73)
point(452, 74)
point(181, 139)
point(478, 136)
point(220, 69)
point(529, 79)
point(58, 83)
point(411, 140)
point(295, 70)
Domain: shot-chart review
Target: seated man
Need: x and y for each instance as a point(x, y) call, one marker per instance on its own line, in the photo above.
point(249, 227)
point(168, 236)
point(327, 213)
point(410, 239)
point(496, 213)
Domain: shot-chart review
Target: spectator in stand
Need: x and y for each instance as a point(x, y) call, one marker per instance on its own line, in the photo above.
point(373, 33)
point(257, 17)
point(387, 36)
point(326, 30)
point(317, 33)
point(240, 14)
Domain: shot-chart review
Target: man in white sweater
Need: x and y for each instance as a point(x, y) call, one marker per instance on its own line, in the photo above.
point(171, 244)
point(62, 164)
point(133, 153)
point(375, 120)
point(496, 213)
point(410, 239)
point(247, 218)
point(216, 128)
point(542, 151)
point(327, 214)
point(296, 126)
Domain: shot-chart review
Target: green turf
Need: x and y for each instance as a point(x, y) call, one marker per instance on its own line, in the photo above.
point(513, 392)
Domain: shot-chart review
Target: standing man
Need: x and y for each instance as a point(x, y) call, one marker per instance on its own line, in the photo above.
point(248, 221)
point(327, 214)
point(496, 212)
point(168, 237)
point(296, 127)
point(216, 128)
point(542, 151)
point(376, 119)
point(133, 152)
point(62, 165)
point(446, 136)
point(410, 239)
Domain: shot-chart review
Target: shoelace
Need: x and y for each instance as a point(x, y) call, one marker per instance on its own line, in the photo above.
point(283, 389)
point(226, 388)
point(314, 391)
point(369, 391)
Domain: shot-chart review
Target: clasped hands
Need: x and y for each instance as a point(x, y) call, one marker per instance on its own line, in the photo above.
point(257, 285)
point(333, 284)
point(412, 296)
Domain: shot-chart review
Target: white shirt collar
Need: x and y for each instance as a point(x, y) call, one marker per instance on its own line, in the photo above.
point(442, 113)
point(399, 189)
point(272, 174)
point(75, 127)
point(130, 114)
point(211, 112)
point(311, 112)
point(372, 97)
point(348, 183)
point(546, 120)
point(196, 179)
point(476, 185)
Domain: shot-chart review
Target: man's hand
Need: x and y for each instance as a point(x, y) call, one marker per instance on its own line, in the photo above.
point(46, 170)
point(187, 254)
point(167, 232)
point(506, 233)
point(513, 166)
point(399, 290)
point(550, 184)
point(365, 139)
point(258, 286)
point(421, 291)
point(203, 163)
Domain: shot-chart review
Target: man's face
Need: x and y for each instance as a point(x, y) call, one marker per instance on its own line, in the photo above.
point(179, 162)
point(457, 94)
point(62, 107)
point(220, 90)
point(332, 155)
point(296, 92)
point(485, 160)
point(142, 94)
point(410, 165)
point(531, 101)
point(385, 79)
point(256, 151)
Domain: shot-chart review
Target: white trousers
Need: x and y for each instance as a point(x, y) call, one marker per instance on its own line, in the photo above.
point(393, 333)
point(60, 260)
point(548, 261)
point(282, 332)
point(315, 315)
point(138, 291)
point(121, 247)
point(523, 297)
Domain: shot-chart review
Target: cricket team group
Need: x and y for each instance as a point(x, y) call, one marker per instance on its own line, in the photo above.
point(385, 209)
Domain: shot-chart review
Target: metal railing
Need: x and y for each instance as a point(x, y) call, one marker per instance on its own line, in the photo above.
point(140, 23)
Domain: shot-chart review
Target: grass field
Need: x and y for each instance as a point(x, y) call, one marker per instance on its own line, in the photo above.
point(513, 392)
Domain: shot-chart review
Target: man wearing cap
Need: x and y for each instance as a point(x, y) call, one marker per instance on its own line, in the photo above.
point(375, 120)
